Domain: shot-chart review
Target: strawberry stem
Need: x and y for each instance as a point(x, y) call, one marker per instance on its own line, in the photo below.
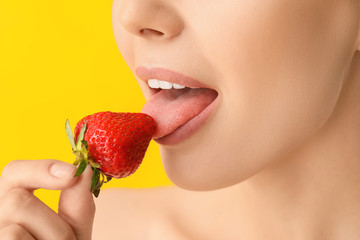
point(95, 180)
point(70, 135)
point(81, 168)
point(83, 158)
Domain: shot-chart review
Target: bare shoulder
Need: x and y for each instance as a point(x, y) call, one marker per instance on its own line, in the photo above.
point(139, 213)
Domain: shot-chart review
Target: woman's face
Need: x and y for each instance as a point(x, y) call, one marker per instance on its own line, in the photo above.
point(277, 67)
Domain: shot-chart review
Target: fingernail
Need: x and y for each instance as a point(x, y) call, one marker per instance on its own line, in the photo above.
point(62, 170)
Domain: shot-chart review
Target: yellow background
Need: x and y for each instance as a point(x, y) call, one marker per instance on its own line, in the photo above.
point(59, 60)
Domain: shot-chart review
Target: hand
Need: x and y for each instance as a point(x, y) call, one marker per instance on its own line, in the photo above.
point(24, 216)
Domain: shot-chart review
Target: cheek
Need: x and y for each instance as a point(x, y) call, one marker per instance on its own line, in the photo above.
point(286, 75)
point(290, 74)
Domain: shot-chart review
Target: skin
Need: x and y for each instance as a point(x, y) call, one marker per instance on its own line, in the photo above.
point(284, 156)
point(267, 62)
point(24, 216)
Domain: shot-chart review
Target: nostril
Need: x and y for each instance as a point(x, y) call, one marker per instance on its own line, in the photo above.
point(149, 32)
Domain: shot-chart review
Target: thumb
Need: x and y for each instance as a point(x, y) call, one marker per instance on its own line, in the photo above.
point(77, 207)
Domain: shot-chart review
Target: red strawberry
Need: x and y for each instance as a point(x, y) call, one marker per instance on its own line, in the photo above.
point(114, 143)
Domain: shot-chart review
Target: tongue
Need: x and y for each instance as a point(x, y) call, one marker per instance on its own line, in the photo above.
point(173, 108)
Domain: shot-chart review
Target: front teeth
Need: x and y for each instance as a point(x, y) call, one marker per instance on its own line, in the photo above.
point(154, 83)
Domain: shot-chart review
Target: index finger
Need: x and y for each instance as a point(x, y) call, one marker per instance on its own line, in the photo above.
point(34, 174)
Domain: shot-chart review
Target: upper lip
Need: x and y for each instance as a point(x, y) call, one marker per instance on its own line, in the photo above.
point(162, 74)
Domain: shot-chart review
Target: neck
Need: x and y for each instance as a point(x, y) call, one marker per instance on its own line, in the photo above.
point(315, 189)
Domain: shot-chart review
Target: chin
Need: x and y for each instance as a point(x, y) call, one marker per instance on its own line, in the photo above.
point(198, 179)
point(192, 165)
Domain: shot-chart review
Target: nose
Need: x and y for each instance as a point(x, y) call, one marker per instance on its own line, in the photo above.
point(151, 19)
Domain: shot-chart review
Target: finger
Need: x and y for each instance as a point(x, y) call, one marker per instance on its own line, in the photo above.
point(77, 206)
point(30, 175)
point(15, 232)
point(23, 208)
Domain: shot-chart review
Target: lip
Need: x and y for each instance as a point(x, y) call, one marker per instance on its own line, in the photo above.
point(145, 74)
point(194, 124)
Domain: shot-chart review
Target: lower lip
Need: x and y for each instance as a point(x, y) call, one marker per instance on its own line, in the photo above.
point(186, 130)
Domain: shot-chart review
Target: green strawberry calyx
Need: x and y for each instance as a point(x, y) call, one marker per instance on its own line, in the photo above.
point(80, 149)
